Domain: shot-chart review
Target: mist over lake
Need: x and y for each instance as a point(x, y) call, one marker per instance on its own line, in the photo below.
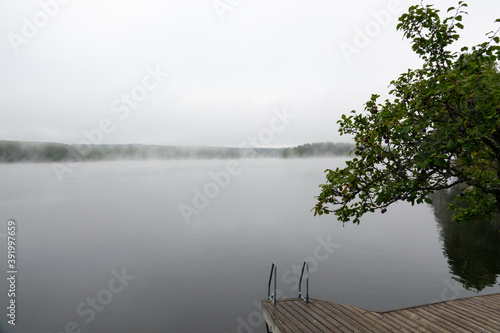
point(187, 246)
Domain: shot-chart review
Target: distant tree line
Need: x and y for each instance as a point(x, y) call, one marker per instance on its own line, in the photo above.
point(319, 149)
point(16, 151)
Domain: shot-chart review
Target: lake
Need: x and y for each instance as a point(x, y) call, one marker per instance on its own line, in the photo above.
point(187, 246)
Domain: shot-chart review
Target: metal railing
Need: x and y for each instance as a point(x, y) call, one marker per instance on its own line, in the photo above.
point(272, 296)
point(305, 266)
point(274, 268)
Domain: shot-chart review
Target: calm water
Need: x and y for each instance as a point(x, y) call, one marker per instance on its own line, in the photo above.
point(122, 219)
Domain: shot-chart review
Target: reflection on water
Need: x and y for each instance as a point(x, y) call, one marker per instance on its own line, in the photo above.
point(472, 249)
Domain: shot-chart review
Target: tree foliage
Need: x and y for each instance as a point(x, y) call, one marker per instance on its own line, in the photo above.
point(440, 128)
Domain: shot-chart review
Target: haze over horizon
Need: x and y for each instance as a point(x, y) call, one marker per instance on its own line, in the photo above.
point(201, 72)
point(244, 145)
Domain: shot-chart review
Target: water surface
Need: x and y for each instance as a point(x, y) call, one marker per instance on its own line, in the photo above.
point(209, 275)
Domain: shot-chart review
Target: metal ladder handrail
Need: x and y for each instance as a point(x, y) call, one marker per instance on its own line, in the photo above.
point(272, 296)
point(305, 265)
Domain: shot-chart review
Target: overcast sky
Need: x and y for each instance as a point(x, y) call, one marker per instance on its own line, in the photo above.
point(200, 72)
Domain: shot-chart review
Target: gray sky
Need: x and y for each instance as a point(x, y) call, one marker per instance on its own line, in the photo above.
point(280, 71)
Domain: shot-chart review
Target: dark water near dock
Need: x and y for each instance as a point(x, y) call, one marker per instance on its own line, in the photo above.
point(109, 249)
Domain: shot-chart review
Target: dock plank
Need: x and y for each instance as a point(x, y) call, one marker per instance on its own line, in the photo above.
point(406, 325)
point(487, 322)
point(316, 315)
point(474, 314)
point(439, 318)
point(464, 320)
point(334, 315)
point(300, 316)
point(370, 323)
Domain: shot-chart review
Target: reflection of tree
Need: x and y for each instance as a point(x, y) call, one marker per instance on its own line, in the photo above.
point(473, 248)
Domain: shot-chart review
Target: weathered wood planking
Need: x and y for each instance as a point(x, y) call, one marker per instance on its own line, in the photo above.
point(473, 314)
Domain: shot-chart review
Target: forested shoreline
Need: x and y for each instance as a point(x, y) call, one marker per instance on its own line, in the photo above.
point(17, 151)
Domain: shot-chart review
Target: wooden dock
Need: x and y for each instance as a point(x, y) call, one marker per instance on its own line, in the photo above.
point(473, 314)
